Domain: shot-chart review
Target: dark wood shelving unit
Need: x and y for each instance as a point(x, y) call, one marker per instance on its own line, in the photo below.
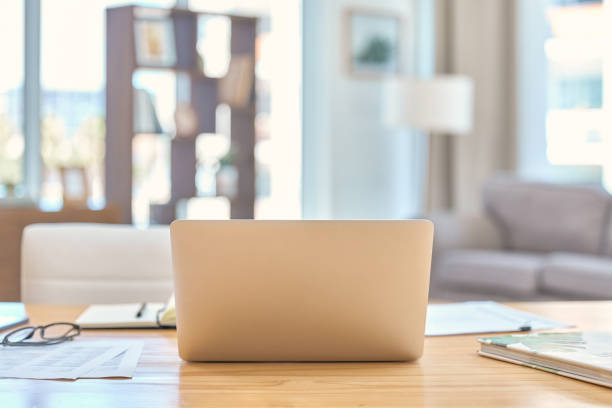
point(121, 64)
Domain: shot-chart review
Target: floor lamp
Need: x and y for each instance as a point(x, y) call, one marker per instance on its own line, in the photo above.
point(441, 105)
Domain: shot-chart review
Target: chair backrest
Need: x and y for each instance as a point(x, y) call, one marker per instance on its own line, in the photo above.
point(95, 263)
point(546, 217)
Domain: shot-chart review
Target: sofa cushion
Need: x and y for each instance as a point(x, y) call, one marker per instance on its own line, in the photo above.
point(577, 274)
point(548, 217)
point(495, 271)
point(607, 241)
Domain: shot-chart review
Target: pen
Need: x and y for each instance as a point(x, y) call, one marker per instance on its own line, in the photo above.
point(525, 327)
point(141, 309)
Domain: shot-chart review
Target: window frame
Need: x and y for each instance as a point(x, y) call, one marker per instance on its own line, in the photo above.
point(32, 160)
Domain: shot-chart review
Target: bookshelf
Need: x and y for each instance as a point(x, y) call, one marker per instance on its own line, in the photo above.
point(124, 58)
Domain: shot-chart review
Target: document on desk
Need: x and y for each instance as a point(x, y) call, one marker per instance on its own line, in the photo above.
point(70, 360)
point(122, 365)
point(482, 317)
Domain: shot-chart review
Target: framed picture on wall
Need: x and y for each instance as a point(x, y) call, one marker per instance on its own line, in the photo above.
point(155, 44)
point(372, 42)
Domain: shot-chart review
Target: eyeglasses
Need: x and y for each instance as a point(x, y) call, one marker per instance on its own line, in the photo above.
point(53, 333)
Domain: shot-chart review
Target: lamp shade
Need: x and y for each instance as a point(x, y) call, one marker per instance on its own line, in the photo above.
point(442, 104)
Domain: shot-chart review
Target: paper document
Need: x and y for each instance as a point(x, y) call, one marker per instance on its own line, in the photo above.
point(70, 360)
point(481, 317)
point(122, 365)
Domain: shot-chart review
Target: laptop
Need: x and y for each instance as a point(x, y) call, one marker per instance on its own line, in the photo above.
point(301, 290)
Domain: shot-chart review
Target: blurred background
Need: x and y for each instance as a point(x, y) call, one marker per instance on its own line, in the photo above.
point(491, 117)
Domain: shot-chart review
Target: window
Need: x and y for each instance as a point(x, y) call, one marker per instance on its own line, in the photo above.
point(278, 120)
point(72, 102)
point(11, 100)
point(575, 58)
point(73, 93)
point(151, 151)
point(563, 74)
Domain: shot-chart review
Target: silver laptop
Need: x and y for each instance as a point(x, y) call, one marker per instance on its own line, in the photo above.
point(301, 290)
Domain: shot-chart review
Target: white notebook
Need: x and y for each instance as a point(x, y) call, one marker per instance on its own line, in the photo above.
point(124, 316)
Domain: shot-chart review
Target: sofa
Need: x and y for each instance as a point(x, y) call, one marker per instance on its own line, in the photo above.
point(534, 241)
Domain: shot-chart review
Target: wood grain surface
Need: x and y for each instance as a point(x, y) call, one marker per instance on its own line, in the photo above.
point(449, 374)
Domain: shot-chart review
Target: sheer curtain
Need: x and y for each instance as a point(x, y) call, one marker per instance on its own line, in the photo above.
point(475, 38)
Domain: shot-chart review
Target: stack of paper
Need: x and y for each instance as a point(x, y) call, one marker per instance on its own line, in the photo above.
point(71, 360)
point(482, 317)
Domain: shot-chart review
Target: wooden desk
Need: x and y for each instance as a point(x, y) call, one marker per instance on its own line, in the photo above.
point(449, 374)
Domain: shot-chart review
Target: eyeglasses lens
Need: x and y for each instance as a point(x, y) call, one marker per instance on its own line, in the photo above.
point(21, 335)
point(59, 330)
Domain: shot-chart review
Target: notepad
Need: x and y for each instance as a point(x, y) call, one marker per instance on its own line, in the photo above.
point(582, 356)
point(124, 316)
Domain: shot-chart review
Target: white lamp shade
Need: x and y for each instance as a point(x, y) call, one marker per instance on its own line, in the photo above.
point(442, 104)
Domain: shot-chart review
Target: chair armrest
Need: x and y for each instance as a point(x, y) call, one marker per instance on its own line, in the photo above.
point(459, 231)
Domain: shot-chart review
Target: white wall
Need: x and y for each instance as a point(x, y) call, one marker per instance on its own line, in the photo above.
point(286, 126)
point(353, 167)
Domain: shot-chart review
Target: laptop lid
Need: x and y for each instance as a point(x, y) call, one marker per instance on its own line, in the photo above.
point(301, 290)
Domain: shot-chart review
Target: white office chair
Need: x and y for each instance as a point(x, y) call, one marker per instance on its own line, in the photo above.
point(95, 263)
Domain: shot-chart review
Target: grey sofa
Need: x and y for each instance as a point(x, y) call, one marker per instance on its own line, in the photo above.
point(535, 241)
